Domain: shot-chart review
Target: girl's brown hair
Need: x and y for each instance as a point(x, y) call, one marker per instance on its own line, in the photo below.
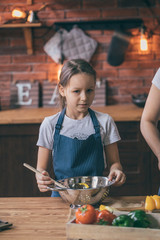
point(70, 68)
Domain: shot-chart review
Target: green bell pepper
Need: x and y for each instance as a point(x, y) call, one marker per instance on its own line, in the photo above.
point(140, 218)
point(123, 221)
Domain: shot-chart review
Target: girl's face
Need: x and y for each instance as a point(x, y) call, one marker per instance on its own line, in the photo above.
point(79, 94)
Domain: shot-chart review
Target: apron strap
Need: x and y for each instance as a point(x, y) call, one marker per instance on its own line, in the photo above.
point(95, 122)
point(58, 127)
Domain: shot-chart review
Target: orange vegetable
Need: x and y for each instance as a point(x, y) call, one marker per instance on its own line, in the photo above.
point(149, 203)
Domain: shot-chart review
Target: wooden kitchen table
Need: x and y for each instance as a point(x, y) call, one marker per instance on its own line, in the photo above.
point(34, 218)
point(41, 217)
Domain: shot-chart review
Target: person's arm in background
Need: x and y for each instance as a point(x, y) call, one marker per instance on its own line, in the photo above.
point(42, 163)
point(149, 120)
point(112, 158)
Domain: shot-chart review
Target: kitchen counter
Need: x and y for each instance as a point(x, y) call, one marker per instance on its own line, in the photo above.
point(39, 218)
point(128, 112)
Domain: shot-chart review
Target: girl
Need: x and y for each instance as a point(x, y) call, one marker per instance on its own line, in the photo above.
point(81, 140)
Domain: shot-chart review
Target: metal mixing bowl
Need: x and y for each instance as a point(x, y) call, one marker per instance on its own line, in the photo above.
point(77, 194)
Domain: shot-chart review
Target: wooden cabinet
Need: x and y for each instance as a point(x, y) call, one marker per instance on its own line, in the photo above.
point(18, 145)
point(135, 157)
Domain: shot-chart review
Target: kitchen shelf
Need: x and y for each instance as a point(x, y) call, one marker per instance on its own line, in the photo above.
point(27, 30)
point(116, 24)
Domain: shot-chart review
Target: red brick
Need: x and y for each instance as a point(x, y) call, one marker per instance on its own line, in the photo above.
point(136, 73)
point(83, 13)
point(149, 64)
point(5, 59)
point(30, 76)
point(14, 68)
point(61, 4)
point(147, 12)
point(97, 65)
point(29, 58)
point(107, 73)
point(119, 12)
point(148, 82)
point(98, 4)
point(103, 38)
point(94, 32)
point(45, 67)
point(50, 14)
point(99, 57)
point(125, 64)
point(138, 57)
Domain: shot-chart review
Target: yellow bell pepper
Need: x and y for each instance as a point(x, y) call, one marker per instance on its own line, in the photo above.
point(103, 207)
point(156, 196)
point(157, 201)
point(149, 203)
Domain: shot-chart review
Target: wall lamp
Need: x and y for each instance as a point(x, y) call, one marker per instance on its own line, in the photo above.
point(30, 16)
point(17, 13)
point(143, 40)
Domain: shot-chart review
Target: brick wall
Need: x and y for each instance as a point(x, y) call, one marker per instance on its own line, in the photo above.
point(133, 76)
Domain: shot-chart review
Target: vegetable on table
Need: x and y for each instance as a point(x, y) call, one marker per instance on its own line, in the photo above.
point(86, 214)
point(139, 218)
point(105, 217)
point(152, 202)
point(123, 221)
point(104, 207)
point(157, 201)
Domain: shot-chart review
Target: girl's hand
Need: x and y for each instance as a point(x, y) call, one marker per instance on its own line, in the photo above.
point(118, 175)
point(43, 181)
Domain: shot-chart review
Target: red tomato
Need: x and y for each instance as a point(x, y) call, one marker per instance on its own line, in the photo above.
point(86, 214)
point(105, 216)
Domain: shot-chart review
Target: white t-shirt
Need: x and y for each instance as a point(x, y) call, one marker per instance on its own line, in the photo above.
point(80, 129)
point(156, 79)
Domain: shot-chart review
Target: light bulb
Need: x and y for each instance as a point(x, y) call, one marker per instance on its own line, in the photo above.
point(18, 14)
point(143, 44)
point(143, 41)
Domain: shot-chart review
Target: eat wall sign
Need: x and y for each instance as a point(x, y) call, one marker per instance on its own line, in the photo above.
point(26, 94)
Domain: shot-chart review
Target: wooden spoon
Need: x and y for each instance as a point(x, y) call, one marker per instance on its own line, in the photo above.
point(36, 171)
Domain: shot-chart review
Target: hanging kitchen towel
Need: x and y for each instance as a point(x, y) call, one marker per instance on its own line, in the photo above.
point(53, 46)
point(78, 45)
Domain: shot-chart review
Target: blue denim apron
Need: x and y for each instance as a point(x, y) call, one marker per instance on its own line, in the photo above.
point(74, 157)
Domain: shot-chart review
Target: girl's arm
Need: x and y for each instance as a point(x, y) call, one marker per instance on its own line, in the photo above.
point(42, 163)
point(150, 119)
point(112, 156)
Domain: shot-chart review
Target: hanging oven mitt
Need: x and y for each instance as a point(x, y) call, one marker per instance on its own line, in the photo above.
point(53, 46)
point(78, 45)
point(118, 48)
